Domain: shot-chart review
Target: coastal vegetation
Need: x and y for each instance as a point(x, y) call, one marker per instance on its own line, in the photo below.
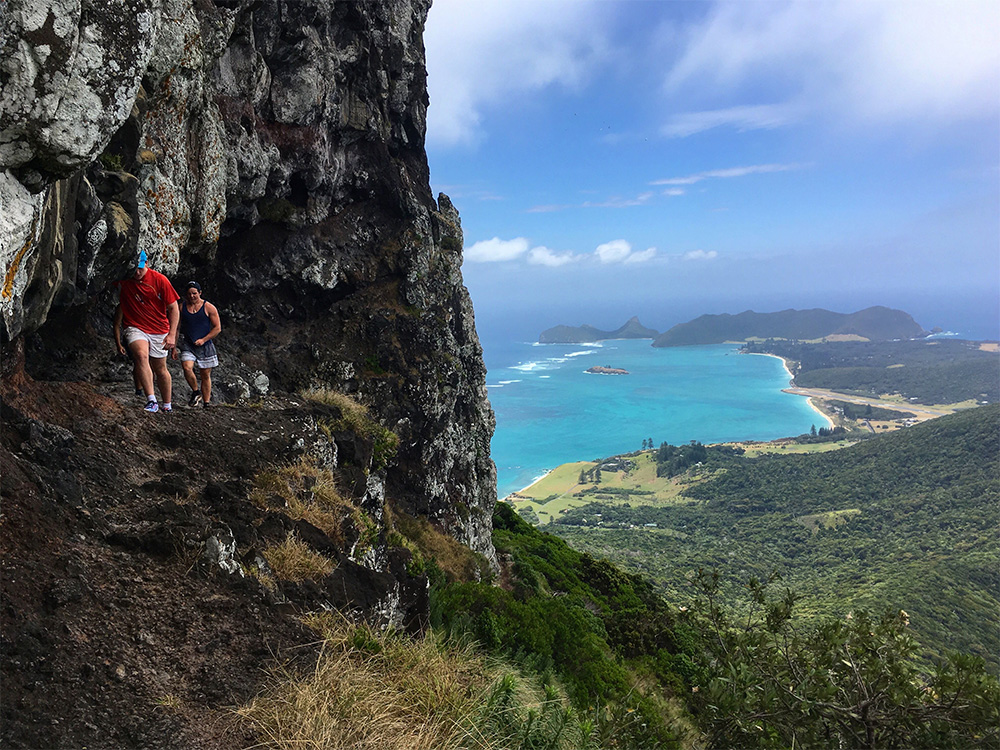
point(904, 520)
point(703, 667)
point(936, 371)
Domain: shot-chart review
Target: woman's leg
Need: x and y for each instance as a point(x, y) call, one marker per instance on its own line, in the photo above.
point(188, 367)
point(206, 384)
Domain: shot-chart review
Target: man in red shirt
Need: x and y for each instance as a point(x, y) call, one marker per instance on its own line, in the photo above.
point(147, 304)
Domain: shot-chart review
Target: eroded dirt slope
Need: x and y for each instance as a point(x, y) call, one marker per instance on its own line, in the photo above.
point(116, 630)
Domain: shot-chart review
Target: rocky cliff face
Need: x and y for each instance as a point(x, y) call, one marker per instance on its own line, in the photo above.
point(273, 150)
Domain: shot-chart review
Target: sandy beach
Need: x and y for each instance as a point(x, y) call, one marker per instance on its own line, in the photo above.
point(799, 391)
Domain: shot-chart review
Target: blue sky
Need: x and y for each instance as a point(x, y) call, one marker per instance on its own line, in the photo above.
point(669, 159)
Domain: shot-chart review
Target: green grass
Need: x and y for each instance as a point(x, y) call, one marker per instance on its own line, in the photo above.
point(759, 449)
point(560, 490)
point(829, 520)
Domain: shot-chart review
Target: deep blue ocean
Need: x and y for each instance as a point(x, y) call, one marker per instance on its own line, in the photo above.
point(550, 411)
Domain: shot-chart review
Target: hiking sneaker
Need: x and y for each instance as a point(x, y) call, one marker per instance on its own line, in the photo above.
point(195, 399)
point(207, 404)
point(152, 406)
point(167, 409)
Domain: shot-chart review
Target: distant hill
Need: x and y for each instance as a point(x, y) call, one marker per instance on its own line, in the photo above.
point(633, 329)
point(871, 324)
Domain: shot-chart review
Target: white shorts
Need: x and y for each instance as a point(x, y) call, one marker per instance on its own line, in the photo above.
point(155, 340)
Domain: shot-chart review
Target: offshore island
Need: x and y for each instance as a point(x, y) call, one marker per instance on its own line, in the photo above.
point(599, 370)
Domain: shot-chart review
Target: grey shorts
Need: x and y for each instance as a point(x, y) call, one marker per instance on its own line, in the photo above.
point(155, 341)
point(205, 356)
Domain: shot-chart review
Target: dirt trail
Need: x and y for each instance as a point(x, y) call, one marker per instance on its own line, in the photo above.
point(113, 636)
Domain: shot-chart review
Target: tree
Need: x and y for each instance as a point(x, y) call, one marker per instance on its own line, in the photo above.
point(777, 682)
point(812, 430)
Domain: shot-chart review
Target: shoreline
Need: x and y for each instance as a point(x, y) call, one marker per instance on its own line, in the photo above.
point(792, 390)
point(788, 389)
point(534, 481)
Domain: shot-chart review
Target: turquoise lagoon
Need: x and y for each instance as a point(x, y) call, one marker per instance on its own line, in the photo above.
point(550, 411)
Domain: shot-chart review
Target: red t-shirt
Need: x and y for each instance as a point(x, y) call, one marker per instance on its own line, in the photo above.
point(144, 303)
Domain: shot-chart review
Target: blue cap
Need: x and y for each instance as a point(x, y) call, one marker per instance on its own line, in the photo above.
point(142, 259)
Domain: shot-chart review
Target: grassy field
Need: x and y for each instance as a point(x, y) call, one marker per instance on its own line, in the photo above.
point(561, 489)
point(754, 449)
point(829, 520)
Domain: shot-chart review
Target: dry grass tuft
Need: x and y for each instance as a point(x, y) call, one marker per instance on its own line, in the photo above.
point(169, 700)
point(309, 493)
point(354, 417)
point(264, 579)
point(371, 691)
point(354, 413)
point(455, 560)
point(293, 560)
point(383, 691)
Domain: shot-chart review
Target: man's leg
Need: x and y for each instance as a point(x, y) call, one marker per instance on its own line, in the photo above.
point(188, 367)
point(206, 384)
point(159, 367)
point(141, 372)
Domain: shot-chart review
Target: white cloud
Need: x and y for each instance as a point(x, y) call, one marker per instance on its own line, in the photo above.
point(701, 255)
point(758, 117)
point(617, 202)
point(546, 209)
point(726, 174)
point(486, 53)
point(497, 250)
point(674, 192)
point(542, 256)
point(641, 257)
point(620, 251)
point(614, 251)
point(858, 62)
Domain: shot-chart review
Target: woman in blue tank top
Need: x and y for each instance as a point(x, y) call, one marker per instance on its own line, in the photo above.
point(199, 325)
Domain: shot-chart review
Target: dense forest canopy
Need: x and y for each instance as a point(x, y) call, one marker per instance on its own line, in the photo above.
point(905, 519)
